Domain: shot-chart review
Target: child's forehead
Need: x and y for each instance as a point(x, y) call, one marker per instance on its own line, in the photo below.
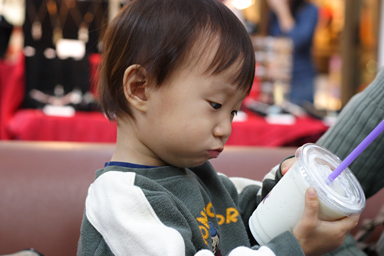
point(224, 87)
point(221, 82)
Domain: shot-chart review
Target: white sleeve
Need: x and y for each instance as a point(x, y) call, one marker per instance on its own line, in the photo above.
point(129, 227)
point(245, 251)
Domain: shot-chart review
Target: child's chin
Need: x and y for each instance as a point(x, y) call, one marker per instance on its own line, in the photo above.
point(198, 163)
point(191, 164)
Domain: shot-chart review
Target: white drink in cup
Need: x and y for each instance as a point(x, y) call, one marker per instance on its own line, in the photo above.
point(284, 206)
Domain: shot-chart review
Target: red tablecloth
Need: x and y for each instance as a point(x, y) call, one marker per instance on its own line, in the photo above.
point(12, 87)
point(255, 131)
point(33, 124)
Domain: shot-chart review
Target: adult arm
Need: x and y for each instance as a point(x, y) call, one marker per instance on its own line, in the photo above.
point(283, 13)
point(358, 118)
point(302, 28)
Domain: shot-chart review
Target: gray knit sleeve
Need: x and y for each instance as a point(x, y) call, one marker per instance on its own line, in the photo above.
point(358, 118)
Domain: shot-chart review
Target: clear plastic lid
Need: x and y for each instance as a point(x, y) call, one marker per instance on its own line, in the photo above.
point(344, 193)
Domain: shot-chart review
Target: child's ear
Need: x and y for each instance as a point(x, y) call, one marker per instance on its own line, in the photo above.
point(136, 87)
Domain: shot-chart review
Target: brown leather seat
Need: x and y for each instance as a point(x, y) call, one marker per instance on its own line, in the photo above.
point(42, 192)
point(43, 186)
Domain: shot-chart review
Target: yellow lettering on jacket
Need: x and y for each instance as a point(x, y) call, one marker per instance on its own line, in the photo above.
point(204, 233)
point(203, 220)
point(209, 212)
point(231, 215)
point(220, 217)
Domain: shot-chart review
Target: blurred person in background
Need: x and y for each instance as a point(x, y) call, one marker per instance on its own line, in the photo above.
point(297, 19)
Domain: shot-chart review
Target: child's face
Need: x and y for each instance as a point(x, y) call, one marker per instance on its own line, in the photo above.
point(189, 117)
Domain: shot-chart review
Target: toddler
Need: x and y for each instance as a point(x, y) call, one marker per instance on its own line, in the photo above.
point(174, 74)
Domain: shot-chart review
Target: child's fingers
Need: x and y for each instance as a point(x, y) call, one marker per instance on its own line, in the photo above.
point(346, 224)
point(310, 216)
point(286, 165)
point(307, 230)
point(340, 229)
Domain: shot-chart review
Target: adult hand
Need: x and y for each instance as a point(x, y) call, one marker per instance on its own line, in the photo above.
point(318, 237)
point(278, 5)
point(283, 13)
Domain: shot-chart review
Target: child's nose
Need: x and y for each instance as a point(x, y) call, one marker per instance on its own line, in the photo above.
point(223, 129)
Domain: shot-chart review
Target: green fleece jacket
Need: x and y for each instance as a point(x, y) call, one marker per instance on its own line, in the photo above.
point(173, 211)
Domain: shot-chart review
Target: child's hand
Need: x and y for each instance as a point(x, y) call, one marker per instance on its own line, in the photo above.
point(286, 165)
point(318, 237)
point(272, 178)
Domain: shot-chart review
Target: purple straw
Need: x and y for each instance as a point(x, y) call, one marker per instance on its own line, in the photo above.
point(356, 152)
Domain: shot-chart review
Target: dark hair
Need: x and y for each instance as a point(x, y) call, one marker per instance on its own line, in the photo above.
point(159, 35)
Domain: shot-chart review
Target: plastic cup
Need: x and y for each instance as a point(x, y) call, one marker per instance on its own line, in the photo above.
point(284, 206)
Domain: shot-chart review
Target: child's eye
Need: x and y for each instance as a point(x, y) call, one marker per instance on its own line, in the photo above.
point(234, 112)
point(215, 105)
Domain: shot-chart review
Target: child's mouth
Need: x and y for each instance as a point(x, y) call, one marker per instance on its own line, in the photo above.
point(214, 153)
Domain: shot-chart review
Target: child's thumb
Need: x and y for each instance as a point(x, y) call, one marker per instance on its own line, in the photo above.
point(311, 205)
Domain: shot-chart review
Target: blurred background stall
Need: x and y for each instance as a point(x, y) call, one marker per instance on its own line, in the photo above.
point(50, 52)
